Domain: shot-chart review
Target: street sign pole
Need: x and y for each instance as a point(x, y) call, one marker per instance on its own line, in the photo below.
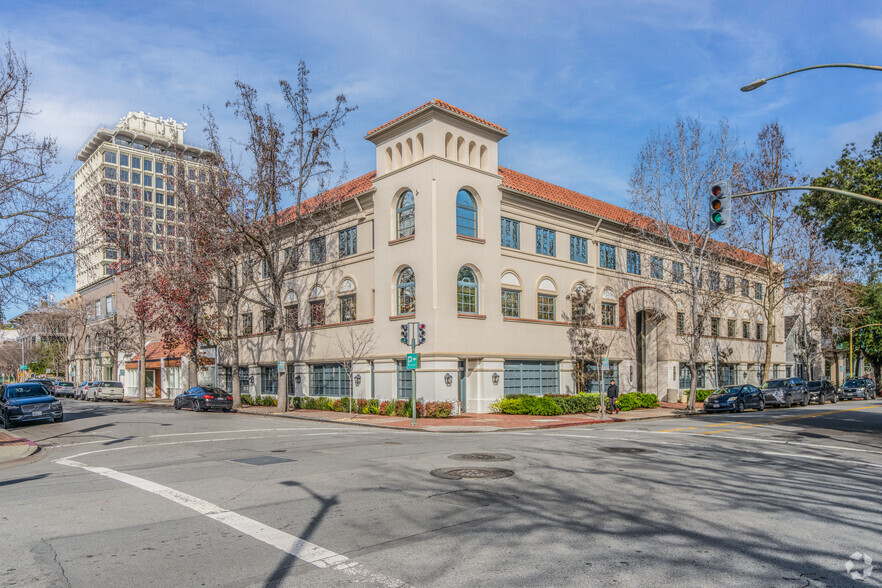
point(414, 382)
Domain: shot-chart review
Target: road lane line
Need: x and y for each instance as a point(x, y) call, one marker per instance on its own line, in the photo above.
point(295, 546)
point(239, 431)
point(819, 458)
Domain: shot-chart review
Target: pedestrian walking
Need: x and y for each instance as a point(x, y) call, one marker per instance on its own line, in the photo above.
point(612, 393)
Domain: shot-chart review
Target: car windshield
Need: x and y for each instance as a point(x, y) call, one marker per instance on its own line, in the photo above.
point(25, 392)
point(854, 383)
point(814, 384)
point(774, 384)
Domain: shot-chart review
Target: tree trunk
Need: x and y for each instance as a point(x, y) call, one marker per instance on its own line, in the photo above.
point(234, 364)
point(142, 367)
point(693, 384)
point(599, 366)
point(282, 393)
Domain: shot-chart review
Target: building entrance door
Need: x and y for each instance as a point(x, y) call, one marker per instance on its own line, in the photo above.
point(150, 383)
point(647, 351)
point(463, 391)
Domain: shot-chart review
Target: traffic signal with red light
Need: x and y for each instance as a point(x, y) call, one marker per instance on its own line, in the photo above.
point(720, 205)
point(421, 334)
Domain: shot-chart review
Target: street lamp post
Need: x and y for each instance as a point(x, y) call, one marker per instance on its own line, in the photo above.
point(762, 81)
point(851, 346)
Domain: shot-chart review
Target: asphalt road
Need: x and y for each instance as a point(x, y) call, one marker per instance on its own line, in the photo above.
point(129, 495)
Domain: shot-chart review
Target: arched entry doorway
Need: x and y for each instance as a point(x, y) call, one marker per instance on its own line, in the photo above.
point(647, 336)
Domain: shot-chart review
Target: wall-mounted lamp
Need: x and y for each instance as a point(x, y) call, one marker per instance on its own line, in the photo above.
point(448, 379)
point(495, 379)
point(297, 379)
point(358, 379)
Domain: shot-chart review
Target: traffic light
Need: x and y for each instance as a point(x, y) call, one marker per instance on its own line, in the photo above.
point(421, 334)
point(405, 331)
point(720, 213)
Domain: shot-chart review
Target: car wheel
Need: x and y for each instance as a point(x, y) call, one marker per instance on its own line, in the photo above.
point(196, 407)
point(805, 399)
point(835, 399)
point(739, 407)
point(762, 404)
point(59, 419)
point(4, 420)
point(788, 402)
point(226, 410)
point(821, 398)
point(177, 405)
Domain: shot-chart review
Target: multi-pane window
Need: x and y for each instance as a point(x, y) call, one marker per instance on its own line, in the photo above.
point(264, 269)
point(545, 239)
point(109, 157)
point(159, 167)
point(348, 242)
point(607, 256)
point(136, 163)
point(511, 303)
point(159, 212)
point(123, 159)
point(759, 331)
point(244, 381)
point(269, 319)
point(159, 183)
point(328, 379)
point(510, 233)
point(608, 314)
point(466, 291)
point(714, 282)
point(110, 173)
point(546, 307)
point(578, 249)
point(633, 262)
point(247, 323)
point(657, 268)
point(170, 200)
point(404, 215)
point(466, 214)
point(531, 377)
point(681, 323)
point(404, 379)
point(730, 284)
point(347, 308)
point(317, 250)
point(677, 272)
point(730, 329)
point(758, 291)
point(316, 312)
point(715, 326)
point(148, 165)
point(124, 175)
point(745, 330)
point(292, 311)
point(686, 375)
point(406, 292)
point(745, 287)
point(148, 180)
point(269, 380)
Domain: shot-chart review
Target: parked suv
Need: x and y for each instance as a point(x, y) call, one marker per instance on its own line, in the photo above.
point(821, 391)
point(857, 388)
point(64, 389)
point(103, 390)
point(80, 392)
point(786, 392)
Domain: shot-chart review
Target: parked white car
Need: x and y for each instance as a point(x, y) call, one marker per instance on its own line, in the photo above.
point(103, 390)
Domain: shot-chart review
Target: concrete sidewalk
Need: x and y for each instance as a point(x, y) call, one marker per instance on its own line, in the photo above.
point(13, 447)
point(467, 423)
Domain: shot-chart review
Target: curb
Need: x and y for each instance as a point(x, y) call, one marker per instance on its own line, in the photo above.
point(10, 447)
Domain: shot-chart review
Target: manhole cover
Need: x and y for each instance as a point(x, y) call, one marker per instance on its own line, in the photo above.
point(470, 473)
point(263, 460)
point(628, 450)
point(480, 457)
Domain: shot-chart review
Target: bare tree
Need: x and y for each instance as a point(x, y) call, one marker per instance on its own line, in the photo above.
point(36, 221)
point(586, 345)
point(10, 358)
point(669, 185)
point(355, 344)
point(116, 335)
point(284, 166)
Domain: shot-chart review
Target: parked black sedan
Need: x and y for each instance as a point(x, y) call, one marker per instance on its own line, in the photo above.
point(821, 391)
point(201, 398)
point(735, 399)
point(27, 401)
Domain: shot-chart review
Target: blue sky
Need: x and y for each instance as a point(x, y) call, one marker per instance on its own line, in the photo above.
point(579, 85)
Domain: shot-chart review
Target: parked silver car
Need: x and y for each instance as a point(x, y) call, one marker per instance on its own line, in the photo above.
point(105, 390)
point(80, 393)
point(785, 392)
point(857, 388)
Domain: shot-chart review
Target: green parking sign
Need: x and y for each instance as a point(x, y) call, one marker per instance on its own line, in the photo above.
point(413, 361)
point(23, 367)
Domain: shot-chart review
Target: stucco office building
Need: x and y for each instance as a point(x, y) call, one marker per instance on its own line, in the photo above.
point(485, 256)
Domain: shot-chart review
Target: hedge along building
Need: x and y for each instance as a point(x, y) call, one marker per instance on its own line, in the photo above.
point(485, 257)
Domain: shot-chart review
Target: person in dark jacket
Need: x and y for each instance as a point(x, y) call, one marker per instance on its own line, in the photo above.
point(612, 393)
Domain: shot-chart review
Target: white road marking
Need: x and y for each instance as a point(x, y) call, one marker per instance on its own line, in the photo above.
point(819, 458)
point(295, 546)
point(239, 431)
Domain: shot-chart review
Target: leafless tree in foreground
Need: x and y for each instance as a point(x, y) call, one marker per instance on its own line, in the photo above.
point(288, 207)
point(356, 343)
point(36, 220)
point(669, 186)
point(586, 345)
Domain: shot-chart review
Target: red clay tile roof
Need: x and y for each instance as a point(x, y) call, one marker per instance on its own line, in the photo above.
point(547, 191)
point(156, 351)
point(445, 106)
point(359, 185)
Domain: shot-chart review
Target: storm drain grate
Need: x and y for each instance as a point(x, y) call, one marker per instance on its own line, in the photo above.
point(470, 473)
point(628, 450)
point(480, 457)
point(263, 460)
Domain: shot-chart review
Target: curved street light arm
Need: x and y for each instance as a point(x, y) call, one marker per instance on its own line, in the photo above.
point(869, 199)
point(762, 81)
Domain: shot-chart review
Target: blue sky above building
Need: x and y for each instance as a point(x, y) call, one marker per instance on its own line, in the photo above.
point(579, 85)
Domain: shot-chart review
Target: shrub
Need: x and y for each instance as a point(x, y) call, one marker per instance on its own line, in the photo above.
point(246, 399)
point(522, 404)
point(634, 400)
point(581, 403)
point(701, 395)
point(437, 410)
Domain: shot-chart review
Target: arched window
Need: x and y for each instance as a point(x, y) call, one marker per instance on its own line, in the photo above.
point(466, 291)
point(404, 215)
point(406, 292)
point(292, 310)
point(88, 344)
point(346, 294)
point(580, 301)
point(466, 214)
point(511, 295)
point(317, 307)
point(546, 301)
point(608, 309)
